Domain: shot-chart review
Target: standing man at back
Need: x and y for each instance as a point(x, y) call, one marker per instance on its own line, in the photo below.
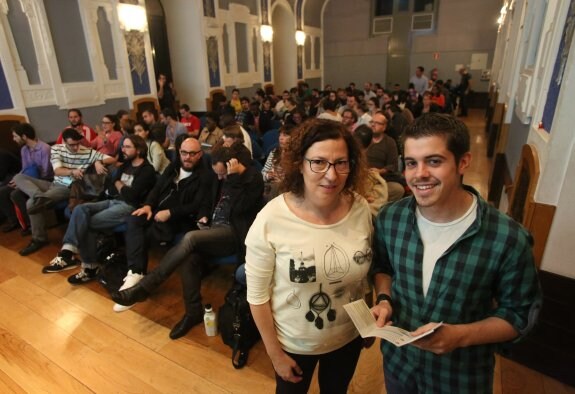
point(446, 255)
point(419, 80)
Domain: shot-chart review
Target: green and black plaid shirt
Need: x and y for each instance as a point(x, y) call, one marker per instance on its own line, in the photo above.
point(491, 261)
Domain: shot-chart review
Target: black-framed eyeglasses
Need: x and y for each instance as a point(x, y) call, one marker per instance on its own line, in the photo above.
point(184, 153)
point(323, 166)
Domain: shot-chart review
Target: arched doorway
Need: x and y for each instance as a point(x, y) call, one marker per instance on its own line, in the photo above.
point(284, 47)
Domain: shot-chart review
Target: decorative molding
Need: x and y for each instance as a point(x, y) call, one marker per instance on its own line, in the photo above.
point(81, 95)
point(115, 89)
point(38, 97)
point(136, 53)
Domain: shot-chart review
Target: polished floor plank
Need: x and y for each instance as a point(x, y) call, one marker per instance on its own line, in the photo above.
point(8, 385)
point(20, 361)
point(89, 367)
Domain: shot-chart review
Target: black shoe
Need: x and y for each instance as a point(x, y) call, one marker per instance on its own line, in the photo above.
point(32, 247)
point(185, 325)
point(131, 295)
point(10, 227)
point(60, 263)
point(25, 232)
point(40, 204)
point(84, 276)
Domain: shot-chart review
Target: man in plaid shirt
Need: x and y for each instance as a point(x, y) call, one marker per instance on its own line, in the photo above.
point(445, 255)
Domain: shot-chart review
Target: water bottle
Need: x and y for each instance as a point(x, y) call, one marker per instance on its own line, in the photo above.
point(210, 321)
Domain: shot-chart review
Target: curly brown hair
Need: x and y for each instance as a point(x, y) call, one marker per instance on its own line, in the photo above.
point(317, 130)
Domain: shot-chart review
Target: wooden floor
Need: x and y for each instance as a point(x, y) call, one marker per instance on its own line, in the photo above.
point(57, 338)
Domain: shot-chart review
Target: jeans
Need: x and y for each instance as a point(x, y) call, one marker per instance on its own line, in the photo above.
point(217, 241)
point(89, 217)
point(34, 188)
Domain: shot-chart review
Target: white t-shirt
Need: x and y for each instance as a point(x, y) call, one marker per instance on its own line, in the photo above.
point(438, 237)
point(308, 272)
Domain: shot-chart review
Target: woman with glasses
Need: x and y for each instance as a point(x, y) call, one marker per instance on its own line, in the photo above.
point(109, 136)
point(308, 254)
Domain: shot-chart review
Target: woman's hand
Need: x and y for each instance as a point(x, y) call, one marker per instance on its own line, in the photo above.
point(287, 368)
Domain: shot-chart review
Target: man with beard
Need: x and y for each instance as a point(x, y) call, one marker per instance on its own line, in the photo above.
point(349, 119)
point(35, 156)
point(76, 123)
point(382, 155)
point(180, 198)
point(125, 193)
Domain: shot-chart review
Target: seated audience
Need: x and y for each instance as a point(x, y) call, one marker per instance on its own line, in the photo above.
point(179, 199)
point(69, 161)
point(236, 205)
point(125, 192)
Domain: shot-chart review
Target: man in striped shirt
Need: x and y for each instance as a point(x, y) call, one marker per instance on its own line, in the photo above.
point(69, 161)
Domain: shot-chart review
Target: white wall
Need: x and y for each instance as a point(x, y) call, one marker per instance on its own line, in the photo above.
point(464, 27)
point(350, 54)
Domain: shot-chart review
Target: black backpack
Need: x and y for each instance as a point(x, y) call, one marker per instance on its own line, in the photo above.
point(113, 271)
point(237, 325)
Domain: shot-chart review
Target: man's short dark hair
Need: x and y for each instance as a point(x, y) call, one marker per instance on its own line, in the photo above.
point(75, 110)
point(169, 113)
point(185, 107)
point(121, 112)
point(448, 127)
point(363, 134)
point(25, 129)
point(235, 90)
point(329, 105)
point(244, 99)
point(421, 68)
point(71, 133)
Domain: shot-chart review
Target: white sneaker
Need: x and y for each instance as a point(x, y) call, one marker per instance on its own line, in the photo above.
point(130, 280)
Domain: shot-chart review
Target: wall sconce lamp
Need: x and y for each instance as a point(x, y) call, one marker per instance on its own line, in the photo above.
point(300, 38)
point(132, 17)
point(267, 33)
